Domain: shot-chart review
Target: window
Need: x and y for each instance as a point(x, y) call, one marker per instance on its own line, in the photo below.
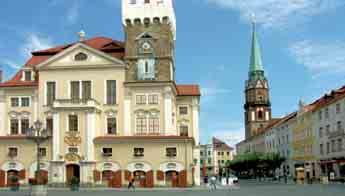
point(154, 125)
point(111, 92)
point(209, 153)
point(183, 110)
point(209, 161)
point(141, 125)
point(25, 101)
point(171, 152)
point(14, 127)
point(328, 147)
point(42, 152)
point(326, 113)
point(141, 99)
point(146, 69)
point(321, 149)
point(183, 130)
point(12, 151)
point(24, 126)
point(321, 132)
point(320, 115)
point(73, 123)
point(147, 1)
point(222, 153)
point(49, 125)
point(153, 99)
point(14, 101)
point(228, 153)
point(201, 153)
point(50, 92)
point(27, 75)
point(86, 90)
point(328, 129)
point(340, 145)
point(107, 152)
point(333, 145)
point(218, 153)
point(339, 126)
point(138, 152)
point(260, 115)
point(111, 126)
point(73, 150)
point(75, 91)
point(338, 108)
point(80, 57)
point(222, 161)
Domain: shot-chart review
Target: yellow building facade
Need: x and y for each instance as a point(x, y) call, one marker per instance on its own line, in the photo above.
point(114, 109)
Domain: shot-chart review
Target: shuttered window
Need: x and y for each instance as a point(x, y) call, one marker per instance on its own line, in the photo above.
point(14, 127)
point(75, 90)
point(50, 92)
point(86, 90)
point(111, 92)
point(146, 69)
point(73, 123)
point(24, 125)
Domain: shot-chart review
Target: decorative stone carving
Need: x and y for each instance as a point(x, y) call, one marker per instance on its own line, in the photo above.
point(72, 157)
point(72, 139)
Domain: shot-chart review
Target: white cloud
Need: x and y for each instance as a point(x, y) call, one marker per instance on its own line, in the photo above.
point(231, 133)
point(34, 42)
point(320, 58)
point(278, 13)
point(214, 91)
point(9, 63)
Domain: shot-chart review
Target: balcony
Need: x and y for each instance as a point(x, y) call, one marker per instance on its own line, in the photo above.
point(76, 103)
point(334, 134)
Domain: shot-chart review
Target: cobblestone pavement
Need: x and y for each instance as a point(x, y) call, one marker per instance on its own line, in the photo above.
point(245, 189)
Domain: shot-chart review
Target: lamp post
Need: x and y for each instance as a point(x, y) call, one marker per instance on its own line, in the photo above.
point(38, 135)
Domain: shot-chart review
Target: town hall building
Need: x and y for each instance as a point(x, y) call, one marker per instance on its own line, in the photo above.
point(113, 107)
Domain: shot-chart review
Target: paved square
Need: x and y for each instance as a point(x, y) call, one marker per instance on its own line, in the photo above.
point(251, 189)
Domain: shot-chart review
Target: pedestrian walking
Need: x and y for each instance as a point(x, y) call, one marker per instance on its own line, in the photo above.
point(131, 184)
point(213, 182)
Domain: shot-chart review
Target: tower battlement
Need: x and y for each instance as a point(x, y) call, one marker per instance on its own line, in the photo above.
point(149, 12)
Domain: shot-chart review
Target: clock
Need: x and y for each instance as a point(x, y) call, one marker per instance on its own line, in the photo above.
point(146, 46)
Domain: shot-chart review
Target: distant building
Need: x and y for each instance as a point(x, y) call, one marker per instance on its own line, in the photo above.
point(214, 156)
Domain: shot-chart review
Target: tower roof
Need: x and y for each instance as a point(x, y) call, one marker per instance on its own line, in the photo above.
point(255, 58)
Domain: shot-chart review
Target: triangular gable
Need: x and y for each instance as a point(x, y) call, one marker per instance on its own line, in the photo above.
point(67, 58)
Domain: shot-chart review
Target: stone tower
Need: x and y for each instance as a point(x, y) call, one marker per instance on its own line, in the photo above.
point(257, 106)
point(150, 33)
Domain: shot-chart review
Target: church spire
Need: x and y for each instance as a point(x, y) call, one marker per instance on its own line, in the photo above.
point(255, 59)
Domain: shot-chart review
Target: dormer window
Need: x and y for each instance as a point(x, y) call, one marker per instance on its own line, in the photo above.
point(27, 75)
point(80, 57)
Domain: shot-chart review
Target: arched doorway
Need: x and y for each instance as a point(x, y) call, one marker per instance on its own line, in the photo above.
point(171, 178)
point(140, 178)
point(72, 170)
point(12, 177)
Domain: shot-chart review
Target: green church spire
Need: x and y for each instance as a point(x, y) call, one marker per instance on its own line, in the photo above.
point(255, 59)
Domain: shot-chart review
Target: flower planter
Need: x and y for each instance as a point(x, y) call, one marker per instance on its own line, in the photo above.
point(39, 190)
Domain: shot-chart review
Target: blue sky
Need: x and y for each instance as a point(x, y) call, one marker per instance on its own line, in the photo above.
point(302, 41)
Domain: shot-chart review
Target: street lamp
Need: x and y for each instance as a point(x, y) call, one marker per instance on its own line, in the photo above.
point(38, 135)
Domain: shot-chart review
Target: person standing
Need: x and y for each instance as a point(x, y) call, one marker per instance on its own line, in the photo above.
point(131, 183)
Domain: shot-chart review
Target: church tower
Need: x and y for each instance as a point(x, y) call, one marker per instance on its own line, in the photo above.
point(150, 33)
point(257, 106)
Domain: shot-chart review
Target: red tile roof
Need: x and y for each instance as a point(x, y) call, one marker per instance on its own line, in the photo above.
point(188, 90)
point(112, 47)
point(327, 99)
point(217, 143)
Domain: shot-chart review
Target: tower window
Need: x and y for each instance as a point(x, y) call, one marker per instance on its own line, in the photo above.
point(260, 115)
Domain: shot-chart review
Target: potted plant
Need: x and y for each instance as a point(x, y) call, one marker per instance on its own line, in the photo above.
point(75, 184)
point(14, 183)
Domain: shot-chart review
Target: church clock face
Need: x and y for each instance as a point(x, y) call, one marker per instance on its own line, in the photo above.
point(146, 47)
